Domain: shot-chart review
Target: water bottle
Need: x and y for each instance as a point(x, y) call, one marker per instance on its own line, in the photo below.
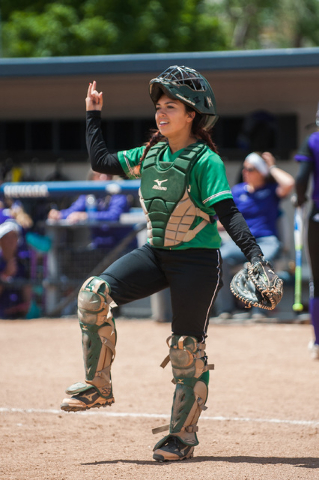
point(90, 205)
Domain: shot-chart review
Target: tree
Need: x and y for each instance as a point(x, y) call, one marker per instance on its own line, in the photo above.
point(97, 27)
point(94, 27)
point(252, 24)
point(299, 26)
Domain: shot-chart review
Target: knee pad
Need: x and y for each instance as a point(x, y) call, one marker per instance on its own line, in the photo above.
point(98, 333)
point(191, 377)
point(94, 302)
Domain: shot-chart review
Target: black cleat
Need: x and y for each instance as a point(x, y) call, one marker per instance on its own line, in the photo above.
point(85, 400)
point(173, 449)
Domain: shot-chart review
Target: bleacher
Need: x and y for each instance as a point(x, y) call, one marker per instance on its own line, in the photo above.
point(61, 257)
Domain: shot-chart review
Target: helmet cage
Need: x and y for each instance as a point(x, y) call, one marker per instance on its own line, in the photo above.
point(188, 86)
point(184, 76)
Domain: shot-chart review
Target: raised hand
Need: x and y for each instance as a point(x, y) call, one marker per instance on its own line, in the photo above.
point(269, 158)
point(94, 99)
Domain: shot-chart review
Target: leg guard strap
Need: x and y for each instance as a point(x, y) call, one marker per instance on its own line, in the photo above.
point(199, 354)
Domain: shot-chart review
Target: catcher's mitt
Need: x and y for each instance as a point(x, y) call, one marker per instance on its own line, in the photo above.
point(257, 285)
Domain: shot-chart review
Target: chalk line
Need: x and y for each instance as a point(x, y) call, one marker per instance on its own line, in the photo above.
point(311, 423)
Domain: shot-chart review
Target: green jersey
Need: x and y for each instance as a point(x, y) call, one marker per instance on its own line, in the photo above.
point(208, 184)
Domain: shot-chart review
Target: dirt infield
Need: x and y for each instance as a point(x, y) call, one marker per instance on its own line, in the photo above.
point(262, 420)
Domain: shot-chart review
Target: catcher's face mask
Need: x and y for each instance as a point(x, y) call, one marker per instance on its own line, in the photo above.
point(188, 86)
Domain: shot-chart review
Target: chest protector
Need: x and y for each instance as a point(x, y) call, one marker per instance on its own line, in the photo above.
point(165, 199)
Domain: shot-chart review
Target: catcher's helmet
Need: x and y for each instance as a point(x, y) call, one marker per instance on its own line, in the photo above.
point(188, 86)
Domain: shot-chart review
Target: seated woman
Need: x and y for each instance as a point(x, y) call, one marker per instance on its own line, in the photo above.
point(15, 289)
point(258, 199)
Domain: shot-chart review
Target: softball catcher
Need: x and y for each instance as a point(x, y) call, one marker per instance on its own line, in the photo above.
point(183, 189)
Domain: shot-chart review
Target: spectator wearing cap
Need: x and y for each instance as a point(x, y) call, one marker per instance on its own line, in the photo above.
point(15, 289)
point(258, 199)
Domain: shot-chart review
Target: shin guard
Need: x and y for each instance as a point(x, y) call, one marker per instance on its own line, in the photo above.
point(191, 377)
point(98, 337)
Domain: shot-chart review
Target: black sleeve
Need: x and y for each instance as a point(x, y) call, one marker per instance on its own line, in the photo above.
point(237, 228)
point(302, 180)
point(304, 149)
point(101, 159)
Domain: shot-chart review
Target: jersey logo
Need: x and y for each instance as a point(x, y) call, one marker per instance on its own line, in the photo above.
point(159, 184)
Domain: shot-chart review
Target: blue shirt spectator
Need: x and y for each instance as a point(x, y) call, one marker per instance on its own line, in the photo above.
point(107, 209)
point(259, 207)
point(258, 199)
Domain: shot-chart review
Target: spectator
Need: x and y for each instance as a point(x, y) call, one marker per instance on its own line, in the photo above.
point(105, 209)
point(15, 291)
point(257, 198)
point(15, 209)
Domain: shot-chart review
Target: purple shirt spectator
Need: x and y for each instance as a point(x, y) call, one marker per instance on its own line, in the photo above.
point(260, 208)
point(14, 272)
point(12, 296)
point(108, 209)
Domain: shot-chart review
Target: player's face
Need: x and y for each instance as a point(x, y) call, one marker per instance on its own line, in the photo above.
point(171, 117)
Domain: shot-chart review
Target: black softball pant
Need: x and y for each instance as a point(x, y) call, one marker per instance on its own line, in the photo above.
point(313, 250)
point(193, 276)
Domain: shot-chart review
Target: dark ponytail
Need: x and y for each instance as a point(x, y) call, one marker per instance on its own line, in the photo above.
point(199, 131)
